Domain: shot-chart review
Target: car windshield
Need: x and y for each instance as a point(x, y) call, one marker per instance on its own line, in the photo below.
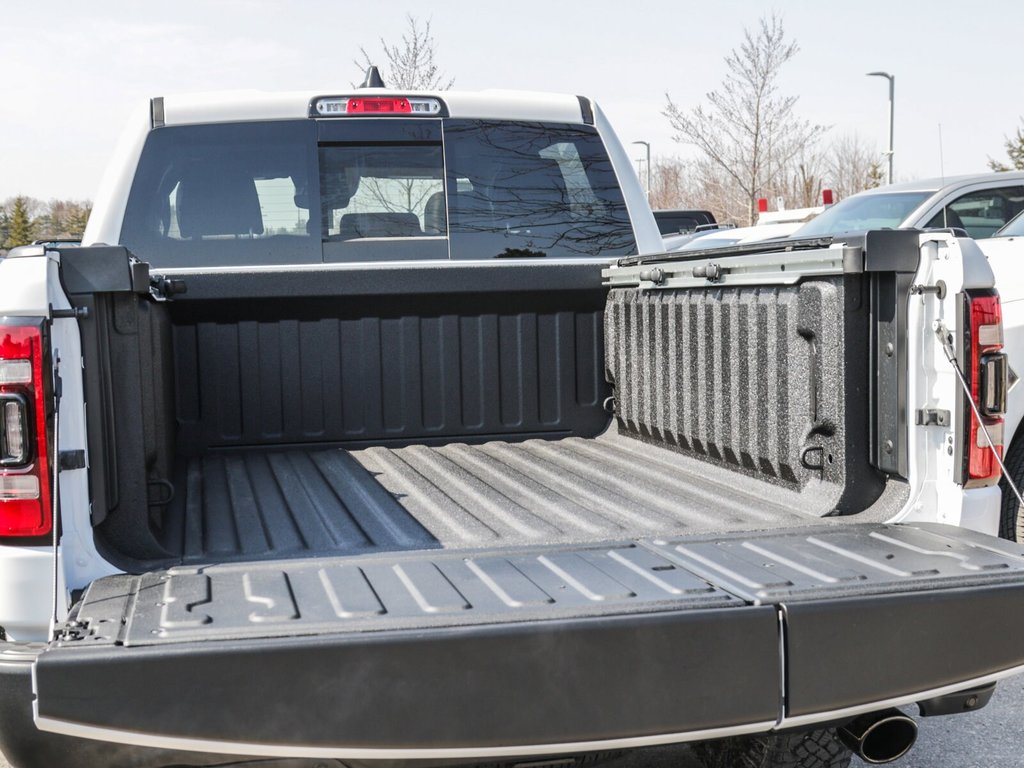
point(1013, 228)
point(874, 211)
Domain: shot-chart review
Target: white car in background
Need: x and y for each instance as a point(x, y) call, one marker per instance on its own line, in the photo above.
point(979, 204)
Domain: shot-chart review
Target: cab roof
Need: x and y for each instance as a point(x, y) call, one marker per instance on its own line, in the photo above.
point(186, 109)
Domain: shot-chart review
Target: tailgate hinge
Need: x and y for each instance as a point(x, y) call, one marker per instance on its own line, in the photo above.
point(73, 631)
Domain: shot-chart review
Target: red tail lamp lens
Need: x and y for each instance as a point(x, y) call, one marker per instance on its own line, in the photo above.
point(377, 106)
point(24, 466)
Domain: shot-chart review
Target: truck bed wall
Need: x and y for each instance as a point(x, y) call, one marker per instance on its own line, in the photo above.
point(126, 344)
point(372, 370)
point(764, 381)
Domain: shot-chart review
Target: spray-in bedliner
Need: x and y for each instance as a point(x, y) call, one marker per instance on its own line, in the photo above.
point(241, 505)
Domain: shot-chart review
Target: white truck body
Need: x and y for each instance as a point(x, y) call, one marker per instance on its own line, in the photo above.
point(779, 519)
point(30, 285)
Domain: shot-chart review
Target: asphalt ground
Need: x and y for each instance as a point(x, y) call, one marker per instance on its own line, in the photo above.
point(990, 738)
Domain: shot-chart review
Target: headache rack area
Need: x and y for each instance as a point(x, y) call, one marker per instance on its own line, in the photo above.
point(535, 648)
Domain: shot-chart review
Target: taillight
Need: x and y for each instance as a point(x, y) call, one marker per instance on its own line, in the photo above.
point(986, 369)
point(24, 457)
point(377, 106)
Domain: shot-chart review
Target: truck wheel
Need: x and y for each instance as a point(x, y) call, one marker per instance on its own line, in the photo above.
point(1011, 523)
point(811, 749)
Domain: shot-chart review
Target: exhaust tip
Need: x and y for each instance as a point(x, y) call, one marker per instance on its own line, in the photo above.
point(880, 737)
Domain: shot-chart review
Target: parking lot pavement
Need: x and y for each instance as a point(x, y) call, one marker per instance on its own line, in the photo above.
point(991, 737)
point(985, 739)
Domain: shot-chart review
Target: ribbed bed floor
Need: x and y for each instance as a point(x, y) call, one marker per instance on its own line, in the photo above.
point(248, 505)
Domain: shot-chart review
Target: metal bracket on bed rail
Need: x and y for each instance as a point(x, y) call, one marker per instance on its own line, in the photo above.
point(73, 313)
point(780, 267)
point(710, 272)
point(163, 288)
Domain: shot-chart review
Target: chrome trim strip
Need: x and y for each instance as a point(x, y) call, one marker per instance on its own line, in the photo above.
point(20, 653)
point(380, 265)
point(899, 701)
point(780, 611)
point(377, 753)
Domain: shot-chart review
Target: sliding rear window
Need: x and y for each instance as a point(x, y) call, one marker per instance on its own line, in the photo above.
point(383, 200)
point(366, 189)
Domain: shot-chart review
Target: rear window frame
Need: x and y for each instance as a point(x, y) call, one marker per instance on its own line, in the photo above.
point(159, 246)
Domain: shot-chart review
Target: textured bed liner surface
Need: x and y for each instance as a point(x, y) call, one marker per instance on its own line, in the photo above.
point(253, 504)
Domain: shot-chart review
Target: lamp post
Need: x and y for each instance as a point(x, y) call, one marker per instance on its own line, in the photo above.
point(648, 146)
point(892, 92)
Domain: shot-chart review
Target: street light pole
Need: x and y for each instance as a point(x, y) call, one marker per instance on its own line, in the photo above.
point(648, 146)
point(892, 106)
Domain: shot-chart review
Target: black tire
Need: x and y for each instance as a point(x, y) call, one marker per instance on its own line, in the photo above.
point(811, 749)
point(1011, 522)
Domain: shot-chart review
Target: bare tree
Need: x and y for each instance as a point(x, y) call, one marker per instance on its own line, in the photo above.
point(852, 166)
point(718, 193)
point(805, 179)
point(748, 131)
point(410, 64)
point(672, 184)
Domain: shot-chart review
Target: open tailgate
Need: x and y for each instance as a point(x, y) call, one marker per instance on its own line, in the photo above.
point(448, 654)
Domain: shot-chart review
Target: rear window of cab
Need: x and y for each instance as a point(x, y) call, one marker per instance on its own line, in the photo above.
point(357, 190)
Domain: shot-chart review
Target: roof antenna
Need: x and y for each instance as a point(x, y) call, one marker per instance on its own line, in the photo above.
point(942, 164)
point(373, 78)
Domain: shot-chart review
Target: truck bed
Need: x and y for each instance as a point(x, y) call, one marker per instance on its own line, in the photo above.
point(329, 412)
point(244, 505)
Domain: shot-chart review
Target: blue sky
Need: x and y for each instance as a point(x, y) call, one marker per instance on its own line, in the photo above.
point(75, 70)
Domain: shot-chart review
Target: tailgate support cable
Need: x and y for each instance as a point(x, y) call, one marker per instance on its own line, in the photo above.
point(947, 347)
point(58, 386)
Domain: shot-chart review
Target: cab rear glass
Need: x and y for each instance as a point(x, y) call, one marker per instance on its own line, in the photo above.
point(288, 192)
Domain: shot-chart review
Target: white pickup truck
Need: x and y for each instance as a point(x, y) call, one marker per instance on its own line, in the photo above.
point(372, 427)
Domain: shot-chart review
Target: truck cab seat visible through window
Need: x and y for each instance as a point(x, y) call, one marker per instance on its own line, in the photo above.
point(214, 201)
point(353, 225)
point(434, 220)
